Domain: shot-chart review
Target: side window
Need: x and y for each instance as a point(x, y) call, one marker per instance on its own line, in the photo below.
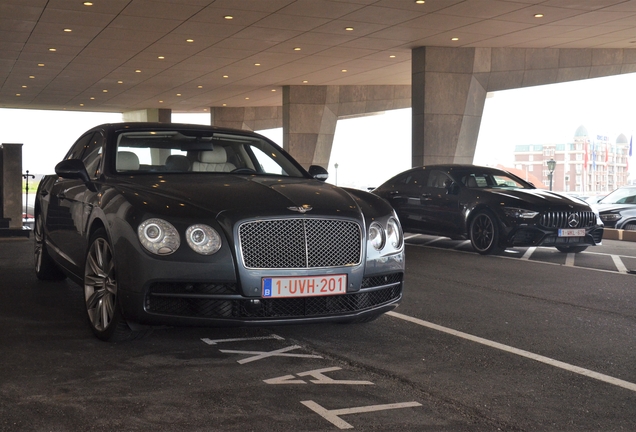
point(78, 148)
point(438, 179)
point(93, 155)
point(417, 178)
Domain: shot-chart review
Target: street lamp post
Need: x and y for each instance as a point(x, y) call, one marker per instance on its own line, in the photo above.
point(551, 166)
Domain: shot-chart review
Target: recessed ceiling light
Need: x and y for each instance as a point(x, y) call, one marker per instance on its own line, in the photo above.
point(538, 15)
point(455, 39)
point(18, 94)
point(40, 64)
point(349, 28)
point(392, 56)
point(161, 57)
point(200, 86)
point(31, 76)
point(247, 98)
point(68, 30)
point(272, 89)
point(52, 49)
point(24, 86)
point(178, 94)
point(257, 64)
point(344, 70)
point(420, 1)
point(224, 104)
point(228, 17)
point(81, 104)
point(297, 49)
point(190, 40)
point(92, 98)
point(205, 109)
point(105, 91)
point(137, 70)
point(160, 101)
point(87, 3)
point(225, 76)
point(120, 82)
point(305, 81)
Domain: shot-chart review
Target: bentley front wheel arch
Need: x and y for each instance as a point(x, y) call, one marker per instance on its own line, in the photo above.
point(45, 268)
point(484, 233)
point(101, 297)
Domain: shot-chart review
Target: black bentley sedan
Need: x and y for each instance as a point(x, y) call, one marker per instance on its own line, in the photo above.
point(170, 224)
point(493, 208)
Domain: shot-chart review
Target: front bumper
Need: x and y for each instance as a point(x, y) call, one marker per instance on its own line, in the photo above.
point(537, 236)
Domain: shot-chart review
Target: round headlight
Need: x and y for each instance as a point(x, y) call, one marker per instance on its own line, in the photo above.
point(158, 236)
point(394, 233)
point(203, 239)
point(376, 236)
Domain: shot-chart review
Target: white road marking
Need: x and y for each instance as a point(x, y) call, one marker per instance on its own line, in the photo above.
point(618, 262)
point(569, 260)
point(259, 355)
point(320, 378)
point(556, 363)
point(332, 415)
point(216, 341)
point(534, 261)
point(526, 256)
point(464, 243)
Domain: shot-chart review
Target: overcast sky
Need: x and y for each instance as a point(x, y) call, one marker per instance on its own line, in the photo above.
point(369, 150)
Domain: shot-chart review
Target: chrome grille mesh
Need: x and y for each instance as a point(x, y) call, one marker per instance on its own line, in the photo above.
point(300, 243)
point(561, 219)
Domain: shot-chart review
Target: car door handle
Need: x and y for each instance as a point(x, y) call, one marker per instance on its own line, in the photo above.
point(61, 196)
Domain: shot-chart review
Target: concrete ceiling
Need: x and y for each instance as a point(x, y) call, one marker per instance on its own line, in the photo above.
point(123, 55)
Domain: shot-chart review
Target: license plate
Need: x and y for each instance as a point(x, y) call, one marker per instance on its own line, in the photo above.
point(571, 233)
point(304, 286)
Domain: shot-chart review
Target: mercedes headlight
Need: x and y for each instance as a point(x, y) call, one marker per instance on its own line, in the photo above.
point(203, 239)
point(610, 217)
point(519, 213)
point(158, 236)
point(377, 236)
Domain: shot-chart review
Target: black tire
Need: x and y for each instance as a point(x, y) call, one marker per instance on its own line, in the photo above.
point(100, 293)
point(484, 233)
point(629, 227)
point(45, 267)
point(571, 249)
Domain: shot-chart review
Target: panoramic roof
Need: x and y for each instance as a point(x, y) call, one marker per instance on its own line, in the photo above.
point(188, 55)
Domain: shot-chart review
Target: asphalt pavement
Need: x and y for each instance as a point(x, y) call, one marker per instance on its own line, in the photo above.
point(478, 344)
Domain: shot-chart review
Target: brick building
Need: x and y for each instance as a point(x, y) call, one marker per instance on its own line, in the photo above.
point(588, 166)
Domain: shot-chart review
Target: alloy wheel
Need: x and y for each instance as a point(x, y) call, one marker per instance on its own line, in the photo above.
point(100, 285)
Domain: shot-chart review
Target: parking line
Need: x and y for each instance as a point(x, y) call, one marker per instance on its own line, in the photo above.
point(556, 363)
point(526, 256)
point(569, 260)
point(618, 262)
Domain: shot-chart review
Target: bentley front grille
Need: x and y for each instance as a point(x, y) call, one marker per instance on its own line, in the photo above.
point(300, 243)
point(567, 219)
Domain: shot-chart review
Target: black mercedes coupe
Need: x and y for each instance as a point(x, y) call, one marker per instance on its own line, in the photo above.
point(172, 224)
point(493, 208)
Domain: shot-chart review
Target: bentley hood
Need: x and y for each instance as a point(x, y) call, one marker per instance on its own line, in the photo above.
point(239, 197)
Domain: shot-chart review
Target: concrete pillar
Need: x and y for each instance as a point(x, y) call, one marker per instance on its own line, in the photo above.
point(11, 158)
point(448, 102)
point(247, 118)
point(150, 115)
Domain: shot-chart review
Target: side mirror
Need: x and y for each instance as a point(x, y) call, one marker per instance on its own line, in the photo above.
point(72, 169)
point(318, 172)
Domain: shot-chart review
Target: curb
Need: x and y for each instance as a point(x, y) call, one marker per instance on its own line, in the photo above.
point(618, 234)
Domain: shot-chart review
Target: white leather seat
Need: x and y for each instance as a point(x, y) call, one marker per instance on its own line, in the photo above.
point(127, 161)
point(213, 161)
